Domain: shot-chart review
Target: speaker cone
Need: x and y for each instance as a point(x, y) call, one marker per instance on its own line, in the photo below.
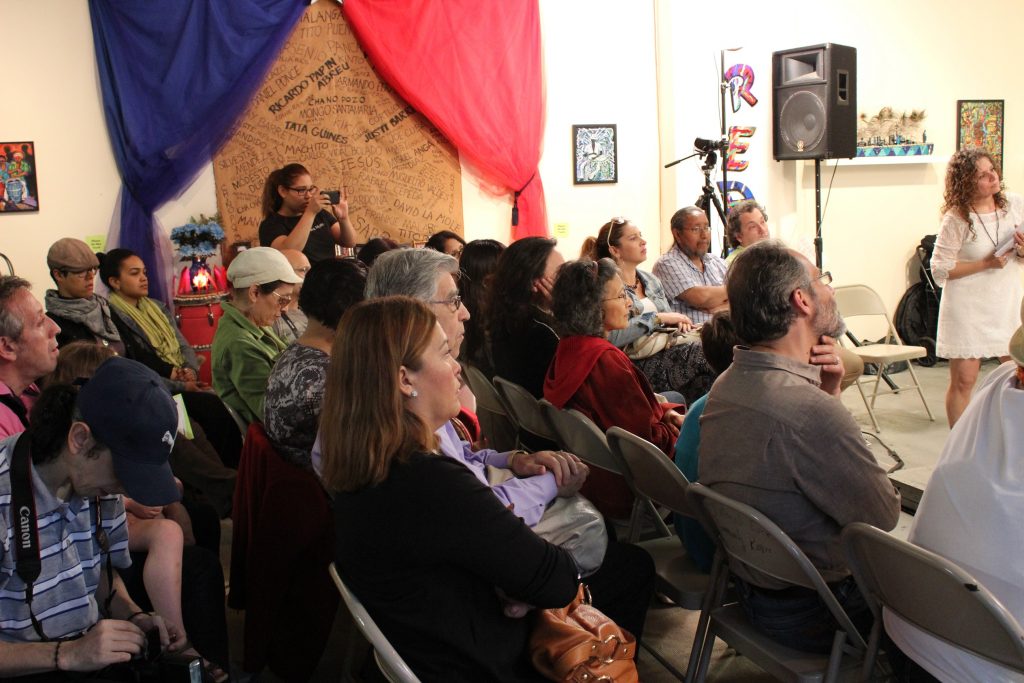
point(802, 121)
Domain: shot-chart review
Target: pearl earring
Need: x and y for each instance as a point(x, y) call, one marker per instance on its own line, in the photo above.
point(414, 393)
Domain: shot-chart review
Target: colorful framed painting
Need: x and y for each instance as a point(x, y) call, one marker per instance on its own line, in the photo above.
point(980, 124)
point(19, 191)
point(595, 153)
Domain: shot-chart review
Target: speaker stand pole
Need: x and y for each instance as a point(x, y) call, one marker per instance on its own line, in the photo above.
point(817, 213)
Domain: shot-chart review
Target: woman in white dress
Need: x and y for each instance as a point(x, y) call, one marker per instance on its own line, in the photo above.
point(981, 295)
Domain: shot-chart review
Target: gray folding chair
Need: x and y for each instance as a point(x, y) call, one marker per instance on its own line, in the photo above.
point(658, 478)
point(578, 434)
point(389, 661)
point(752, 541)
point(932, 593)
point(496, 421)
point(525, 409)
point(861, 300)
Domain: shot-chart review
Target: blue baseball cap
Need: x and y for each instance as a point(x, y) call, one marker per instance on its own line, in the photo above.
point(130, 412)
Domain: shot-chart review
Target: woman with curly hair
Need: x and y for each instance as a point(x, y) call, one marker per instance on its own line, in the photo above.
point(979, 305)
point(588, 373)
point(679, 370)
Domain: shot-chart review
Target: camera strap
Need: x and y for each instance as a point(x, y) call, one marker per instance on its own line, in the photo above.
point(16, 407)
point(26, 534)
point(28, 561)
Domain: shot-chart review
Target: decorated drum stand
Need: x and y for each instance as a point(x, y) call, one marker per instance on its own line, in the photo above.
point(197, 316)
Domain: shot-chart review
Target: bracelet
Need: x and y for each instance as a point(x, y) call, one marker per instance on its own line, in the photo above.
point(56, 656)
point(513, 455)
point(135, 614)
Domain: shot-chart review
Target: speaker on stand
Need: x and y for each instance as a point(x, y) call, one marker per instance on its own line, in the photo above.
point(814, 110)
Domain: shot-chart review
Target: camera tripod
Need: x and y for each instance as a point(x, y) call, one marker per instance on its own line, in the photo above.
point(708, 197)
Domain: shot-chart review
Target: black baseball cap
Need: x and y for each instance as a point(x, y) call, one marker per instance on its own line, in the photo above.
point(130, 411)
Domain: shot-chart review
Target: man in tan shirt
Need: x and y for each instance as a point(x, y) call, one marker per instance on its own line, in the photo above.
point(775, 436)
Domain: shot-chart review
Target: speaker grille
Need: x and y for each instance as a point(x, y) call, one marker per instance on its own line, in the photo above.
point(802, 121)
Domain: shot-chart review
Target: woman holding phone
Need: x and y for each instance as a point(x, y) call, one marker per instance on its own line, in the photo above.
point(299, 215)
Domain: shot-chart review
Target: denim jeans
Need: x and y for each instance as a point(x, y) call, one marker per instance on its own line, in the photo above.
point(798, 618)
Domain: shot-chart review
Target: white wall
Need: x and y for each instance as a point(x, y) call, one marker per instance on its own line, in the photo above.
point(644, 66)
point(910, 55)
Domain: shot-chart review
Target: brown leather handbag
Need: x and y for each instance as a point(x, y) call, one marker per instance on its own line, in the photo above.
point(579, 644)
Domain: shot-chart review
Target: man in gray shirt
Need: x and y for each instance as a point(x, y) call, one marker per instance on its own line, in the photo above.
point(775, 436)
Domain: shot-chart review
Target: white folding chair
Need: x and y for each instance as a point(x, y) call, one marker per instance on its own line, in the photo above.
point(389, 661)
point(932, 593)
point(861, 300)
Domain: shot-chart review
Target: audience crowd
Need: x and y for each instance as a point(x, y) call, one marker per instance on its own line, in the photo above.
point(350, 370)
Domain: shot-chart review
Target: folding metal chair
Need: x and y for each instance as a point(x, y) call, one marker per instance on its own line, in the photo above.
point(578, 434)
point(658, 478)
point(751, 541)
point(932, 593)
point(860, 300)
point(496, 420)
point(388, 660)
point(525, 409)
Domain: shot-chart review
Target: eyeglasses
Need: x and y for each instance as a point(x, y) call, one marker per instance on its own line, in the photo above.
point(621, 297)
point(87, 274)
point(453, 303)
point(826, 278)
point(302, 190)
point(281, 298)
point(617, 220)
point(696, 230)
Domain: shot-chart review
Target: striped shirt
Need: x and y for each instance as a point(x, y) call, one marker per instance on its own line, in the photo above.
point(72, 563)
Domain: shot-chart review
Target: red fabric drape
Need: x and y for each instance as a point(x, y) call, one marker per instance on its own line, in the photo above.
point(473, 68)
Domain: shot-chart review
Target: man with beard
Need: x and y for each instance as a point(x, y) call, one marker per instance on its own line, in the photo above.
point(692, 277)
point(799, 457)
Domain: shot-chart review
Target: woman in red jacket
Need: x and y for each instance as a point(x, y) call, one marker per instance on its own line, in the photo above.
point(590, 374)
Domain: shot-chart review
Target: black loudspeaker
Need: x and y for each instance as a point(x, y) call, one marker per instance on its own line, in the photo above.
point(814, 103)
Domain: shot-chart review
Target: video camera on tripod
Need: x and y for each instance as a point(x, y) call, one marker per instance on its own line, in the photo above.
point(709, 149)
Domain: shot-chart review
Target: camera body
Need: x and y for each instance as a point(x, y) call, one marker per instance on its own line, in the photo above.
point(156, 666)
point(333, 195)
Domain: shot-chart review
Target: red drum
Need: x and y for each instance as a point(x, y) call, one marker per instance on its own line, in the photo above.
point(197, 316)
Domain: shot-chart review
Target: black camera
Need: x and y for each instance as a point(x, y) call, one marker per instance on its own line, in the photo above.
point(333, 195)
point(153, 665)
point(704, 146)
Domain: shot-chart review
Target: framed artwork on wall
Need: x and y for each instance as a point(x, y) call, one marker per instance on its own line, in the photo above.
point(19, 191)
point(595, 154)
point(980, 124)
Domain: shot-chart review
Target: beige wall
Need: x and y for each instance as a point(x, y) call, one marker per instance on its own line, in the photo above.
point(605, 63)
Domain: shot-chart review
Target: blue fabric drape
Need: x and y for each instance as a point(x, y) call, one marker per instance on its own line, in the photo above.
point(175, 78)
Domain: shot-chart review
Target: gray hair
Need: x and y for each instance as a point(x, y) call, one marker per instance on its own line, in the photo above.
point(409, 272)
point(576, 296)
point(10, 324)
point(735, 218)
point(759, 284)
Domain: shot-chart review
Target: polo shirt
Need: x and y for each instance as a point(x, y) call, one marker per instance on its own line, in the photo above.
point(678, 274)
point(10, 423)
point(64, 595)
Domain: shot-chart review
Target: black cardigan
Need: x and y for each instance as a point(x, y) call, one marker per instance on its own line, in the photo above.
point(424, 551)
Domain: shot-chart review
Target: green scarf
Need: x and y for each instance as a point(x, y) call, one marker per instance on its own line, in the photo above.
point(154, 324)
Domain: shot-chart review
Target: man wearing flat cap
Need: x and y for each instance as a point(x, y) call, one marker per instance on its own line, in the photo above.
point(74, 305)
point(64, 609)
